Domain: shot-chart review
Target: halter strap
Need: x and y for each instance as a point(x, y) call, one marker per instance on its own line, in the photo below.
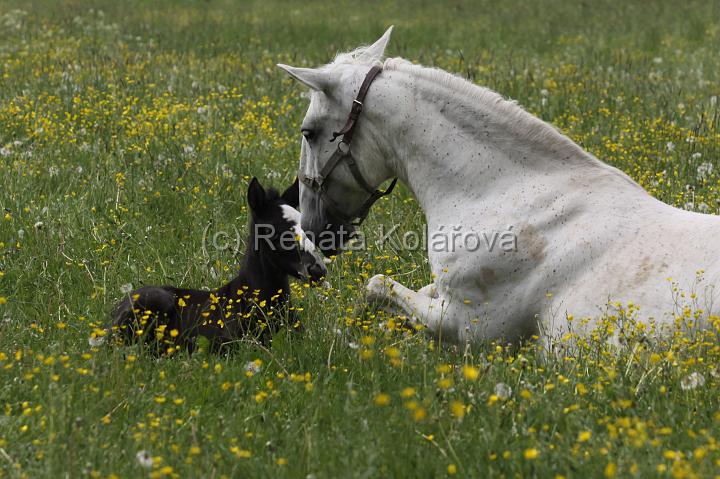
point(344, 154)
point(348, 130)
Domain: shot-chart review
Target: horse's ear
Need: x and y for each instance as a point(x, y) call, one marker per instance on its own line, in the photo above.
point(291, 196)
point(313, 78)
point(376, 51)
point(255, 195)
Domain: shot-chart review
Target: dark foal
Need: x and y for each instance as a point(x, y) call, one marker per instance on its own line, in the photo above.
point(254, 304)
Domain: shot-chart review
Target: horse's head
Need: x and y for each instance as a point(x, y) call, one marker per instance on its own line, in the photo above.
point(277, 233)
point(339, 179)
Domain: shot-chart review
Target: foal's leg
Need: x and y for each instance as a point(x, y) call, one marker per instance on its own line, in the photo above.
point(423, 306)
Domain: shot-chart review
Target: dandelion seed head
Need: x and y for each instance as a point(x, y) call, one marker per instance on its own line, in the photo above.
point(503, 391)
point(144, 458)
point(692, 381)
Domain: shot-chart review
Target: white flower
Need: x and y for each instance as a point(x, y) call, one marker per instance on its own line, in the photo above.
point(5, 151)
point(657, 60)
point(353, 345)
point(689, 206)
point(227, 171)
point(693, 381)
point(703, 207)
point(38, 225)
point(126, 288)
point(503, 391)
point(253, 367)
point(696, 155)
point(53, 170)
point(704, 170)
point(544, 92)
point(13, 19)
point(670, 146)
point(144, 459)
point(95, 341)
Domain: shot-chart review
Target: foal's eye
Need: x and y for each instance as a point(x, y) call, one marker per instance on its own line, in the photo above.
point(308, 134)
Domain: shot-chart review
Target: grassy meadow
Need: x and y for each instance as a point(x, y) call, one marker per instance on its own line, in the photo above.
point(129, 132)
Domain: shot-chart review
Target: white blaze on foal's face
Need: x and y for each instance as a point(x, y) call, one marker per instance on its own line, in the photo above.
point(312, 266)
point(292, 216)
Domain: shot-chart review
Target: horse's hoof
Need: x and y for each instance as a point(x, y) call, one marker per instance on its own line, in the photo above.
point(378, 289)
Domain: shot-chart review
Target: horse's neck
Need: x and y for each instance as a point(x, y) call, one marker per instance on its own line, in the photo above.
point(459, 148)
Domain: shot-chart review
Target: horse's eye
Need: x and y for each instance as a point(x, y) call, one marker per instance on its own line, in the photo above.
point(308, 134)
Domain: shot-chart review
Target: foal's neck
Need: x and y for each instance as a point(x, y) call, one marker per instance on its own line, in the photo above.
point(257, 272)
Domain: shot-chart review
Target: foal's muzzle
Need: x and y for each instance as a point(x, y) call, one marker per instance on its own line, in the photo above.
point(313, 268)
point(316, 272)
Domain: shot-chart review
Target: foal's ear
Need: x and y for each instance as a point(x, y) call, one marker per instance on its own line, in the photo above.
point(255, 195)
point(291, 196)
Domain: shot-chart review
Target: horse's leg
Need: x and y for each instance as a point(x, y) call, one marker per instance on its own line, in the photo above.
point(423, 306)
point(430, 291)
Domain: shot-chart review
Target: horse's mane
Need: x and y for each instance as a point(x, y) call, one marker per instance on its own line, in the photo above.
point(358, 56)
point(511, 115)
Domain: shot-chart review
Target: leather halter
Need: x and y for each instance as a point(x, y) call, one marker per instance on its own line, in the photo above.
point(343, 153)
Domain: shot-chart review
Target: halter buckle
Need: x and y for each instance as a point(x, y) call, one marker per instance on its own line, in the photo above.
point(345, 150)
point(315, 184)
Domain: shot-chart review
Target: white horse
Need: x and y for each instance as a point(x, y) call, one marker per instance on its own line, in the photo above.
point(588, 238)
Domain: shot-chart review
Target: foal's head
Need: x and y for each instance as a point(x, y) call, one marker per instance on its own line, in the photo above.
point(277, 235)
